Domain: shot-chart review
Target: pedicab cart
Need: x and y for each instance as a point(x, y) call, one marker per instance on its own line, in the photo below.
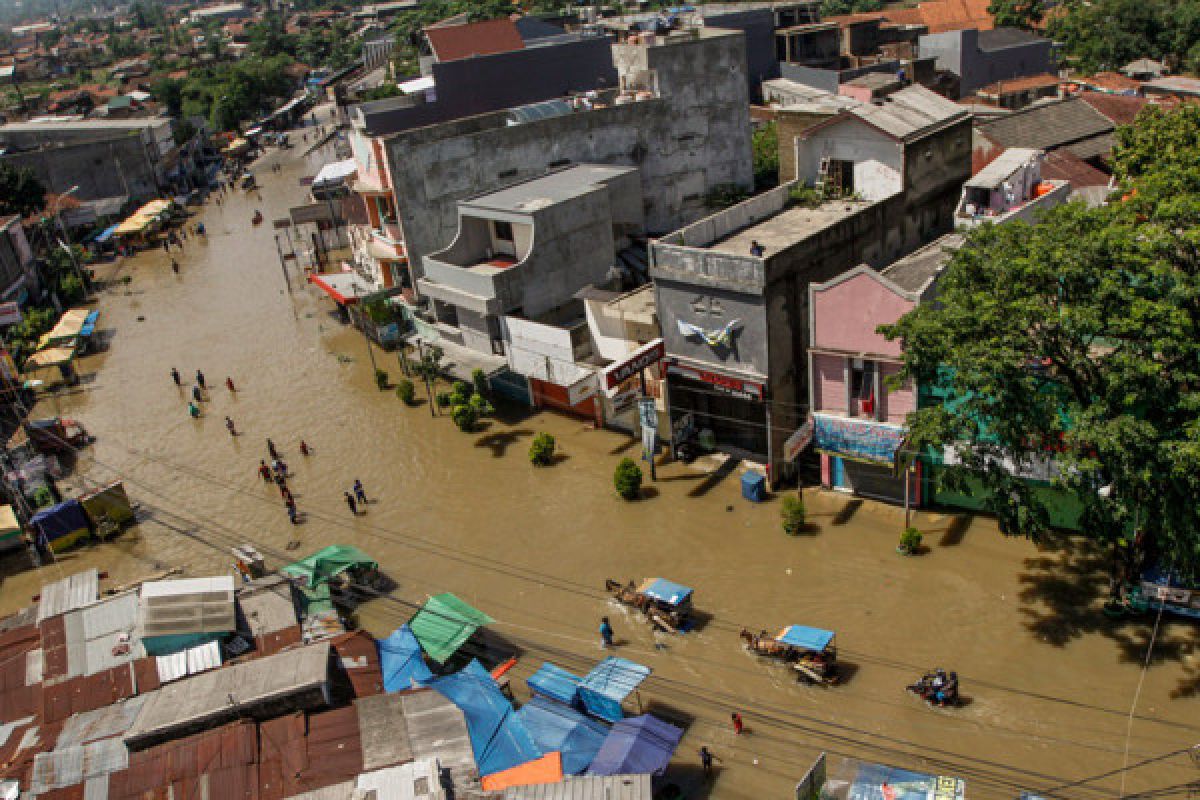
point(668, 605)
point(811, 652)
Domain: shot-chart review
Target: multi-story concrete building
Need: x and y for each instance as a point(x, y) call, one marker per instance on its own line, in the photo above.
point(680, 118)
point(978, 58)
point(18, 278)
point(733, 288)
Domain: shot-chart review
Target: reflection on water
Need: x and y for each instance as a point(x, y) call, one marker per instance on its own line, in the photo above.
point(1050, 682)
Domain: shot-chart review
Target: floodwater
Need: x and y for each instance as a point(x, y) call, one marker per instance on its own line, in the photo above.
point(1050, 681)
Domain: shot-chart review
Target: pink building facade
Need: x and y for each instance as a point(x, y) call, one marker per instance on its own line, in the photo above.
point(858, 418)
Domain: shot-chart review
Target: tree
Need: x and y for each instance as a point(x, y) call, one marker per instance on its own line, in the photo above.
point(627, 479)
point(1105, 34)
point(20, 191)
point(1078, 339)
point(765, 145)
point(1025, 14)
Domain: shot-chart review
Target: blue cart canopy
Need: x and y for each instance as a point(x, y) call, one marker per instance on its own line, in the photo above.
point(805, 637)
point(106, 234)
point(666, 591)
point(637, 746)
point(401, 661)
point(604, 688)
point(498, 737)
point(89, 324)
point(554, 727)
point(556, 683)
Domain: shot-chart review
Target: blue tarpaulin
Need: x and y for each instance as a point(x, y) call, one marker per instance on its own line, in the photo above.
point(805, 637)
point(881, 782)
point(498, 737)
point(666, 591)
point(754, 487)
point(556, 683)
point(604, 688)
point(106, 234)
point(401, 661)
point(89, 324)
point(60, 520)
point(553, 727)
point(637, 746)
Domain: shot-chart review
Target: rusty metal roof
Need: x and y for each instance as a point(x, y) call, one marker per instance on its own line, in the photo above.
point(359, 658)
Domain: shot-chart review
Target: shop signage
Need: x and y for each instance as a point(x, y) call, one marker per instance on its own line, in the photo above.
point(10, 313)
point(799, 440)
point(735, 387)
point(648, 416)
point(641, 358)
point(858, 439)
point(582, 389)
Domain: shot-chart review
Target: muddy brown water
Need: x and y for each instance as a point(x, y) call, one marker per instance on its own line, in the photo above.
point(1050, 681)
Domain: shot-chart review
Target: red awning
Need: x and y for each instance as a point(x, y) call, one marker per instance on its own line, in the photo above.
point(346, 288)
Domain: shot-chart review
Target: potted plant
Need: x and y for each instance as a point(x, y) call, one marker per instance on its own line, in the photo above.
point(792, 515)
point(541, 450)
point(464, 417)
point(910, 542)
point(627, 479)
point(407, 392)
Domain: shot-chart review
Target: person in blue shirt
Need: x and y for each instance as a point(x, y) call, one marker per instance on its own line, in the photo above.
point(606, 632)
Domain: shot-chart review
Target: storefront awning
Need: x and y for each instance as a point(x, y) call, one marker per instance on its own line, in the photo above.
point(346, 288)
point(52, 357)
point(385, 252)
point(334, 174)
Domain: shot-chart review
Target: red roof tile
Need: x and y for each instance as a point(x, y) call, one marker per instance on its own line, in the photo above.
point(938, 16)
point(452, 42)
point(1121, 109)
point(1064, 165)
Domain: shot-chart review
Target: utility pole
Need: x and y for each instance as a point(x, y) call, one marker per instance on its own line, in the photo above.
point(364, 317)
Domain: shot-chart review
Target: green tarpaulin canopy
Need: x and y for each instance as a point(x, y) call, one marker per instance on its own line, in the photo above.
point(325, 564)
point(315, 572)
point(444, 623)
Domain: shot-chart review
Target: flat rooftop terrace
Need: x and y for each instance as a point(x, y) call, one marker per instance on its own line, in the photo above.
point(786, 228)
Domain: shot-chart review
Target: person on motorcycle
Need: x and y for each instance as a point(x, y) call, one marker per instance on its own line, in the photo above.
point(948, 694)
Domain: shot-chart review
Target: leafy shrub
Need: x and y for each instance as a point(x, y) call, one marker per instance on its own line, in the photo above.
point(792, 514)
point(910, 540)
point(407, 392)
point(464, 417)
point(627, 479)
point(805, 196)
point(42, 497)
point(443, 399)
point(480, 405)
point(541, 450)
point(381, 379)
point(480, 380)
point(460, 395)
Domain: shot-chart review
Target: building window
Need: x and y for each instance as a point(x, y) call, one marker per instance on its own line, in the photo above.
point(862, 388)
point(503, 230)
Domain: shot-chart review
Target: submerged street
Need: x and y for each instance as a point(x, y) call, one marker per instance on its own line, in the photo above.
point(1048, 678)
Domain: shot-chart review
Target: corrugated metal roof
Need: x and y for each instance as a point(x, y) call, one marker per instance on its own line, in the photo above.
point(99, 724)
point(359, 657)
point(194, 605)
point(268, 604)
point(909, 112)
point(1002, 167)
point(215, 695)
point(74, 591)
point(418, 780)
point(609, 787)
point(72, 765)
point(438, 729)
point(101, 636)
point(192, 661)
point(383, 731)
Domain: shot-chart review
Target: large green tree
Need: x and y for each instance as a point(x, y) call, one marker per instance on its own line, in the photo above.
point(1025, 14)
point(1107, 34)
point(20, 191)
point(1079, 338)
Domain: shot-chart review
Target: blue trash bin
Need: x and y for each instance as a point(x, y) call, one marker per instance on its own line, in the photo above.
point(754, 487)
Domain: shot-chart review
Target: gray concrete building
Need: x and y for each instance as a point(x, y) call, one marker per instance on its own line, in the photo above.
point(127, 158)
point(978, 58)
point(732, 288)
point(524, 251)
point(18, 279)
point(680, 118)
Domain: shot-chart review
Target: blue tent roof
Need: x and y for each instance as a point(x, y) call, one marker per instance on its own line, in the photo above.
point(89, 323)
point(554, 726)
point(59, 520)
point(805, 637)
point(498, 737)
point(637, 746)
point(604, 688)
point(401, 661)
point(107, 233)
point(556, 683)
point(666, 591)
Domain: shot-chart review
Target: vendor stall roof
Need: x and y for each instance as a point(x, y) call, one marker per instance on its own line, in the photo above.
point(805, 637)
point(637, 746)
point(665, 591)
point(51, 357)
point(401, 661)
point(9, 524)
point(444, 623)
point(554, 682)
point(612, 680)
point(335, 173)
